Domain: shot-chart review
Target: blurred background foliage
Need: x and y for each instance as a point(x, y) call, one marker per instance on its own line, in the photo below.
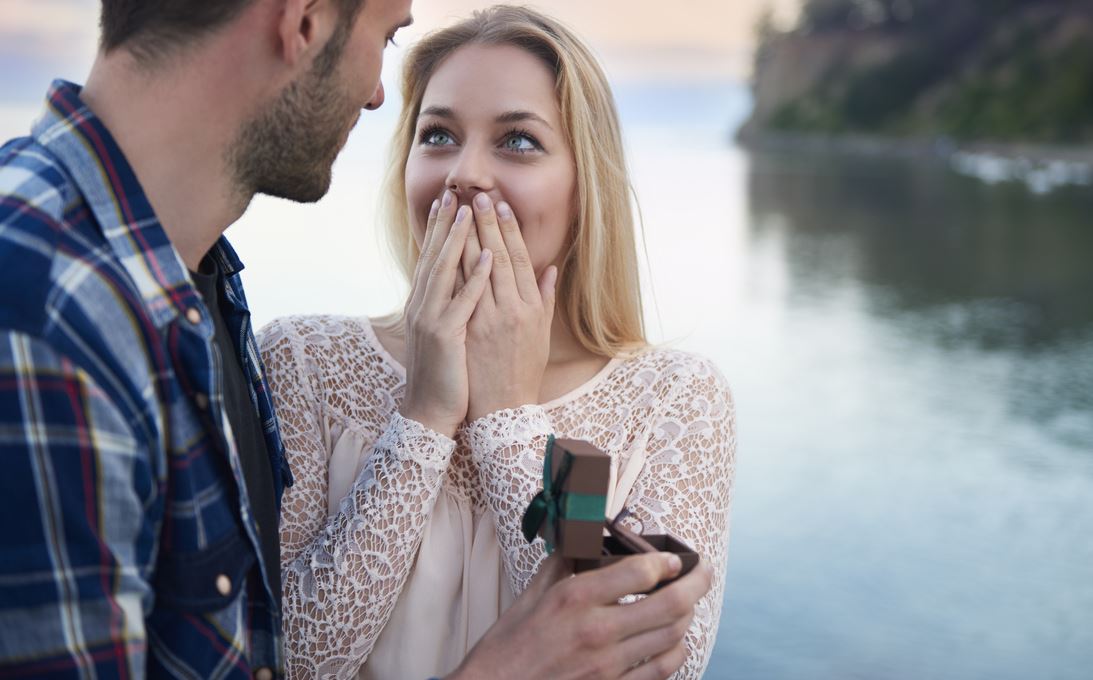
point(972, 70)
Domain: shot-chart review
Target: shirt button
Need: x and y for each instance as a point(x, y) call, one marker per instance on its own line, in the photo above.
point(224, 585)
point(263, 674)
point(193, 315)
point(202, 400)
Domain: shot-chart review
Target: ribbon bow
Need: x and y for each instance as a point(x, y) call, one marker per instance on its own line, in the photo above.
point(552, 504)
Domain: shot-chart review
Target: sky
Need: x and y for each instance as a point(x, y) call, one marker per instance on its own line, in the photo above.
point(636, 39)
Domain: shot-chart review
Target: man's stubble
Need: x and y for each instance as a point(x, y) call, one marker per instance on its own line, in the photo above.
point(288, 149)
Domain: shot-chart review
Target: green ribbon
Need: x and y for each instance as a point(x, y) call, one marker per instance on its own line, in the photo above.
point(550, 505)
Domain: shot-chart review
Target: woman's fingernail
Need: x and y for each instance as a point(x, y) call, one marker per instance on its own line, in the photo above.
point(432, 210)
point(504, 210)
point(482, 202)
point(447, 200)
point(484, 257)
point(462, 213)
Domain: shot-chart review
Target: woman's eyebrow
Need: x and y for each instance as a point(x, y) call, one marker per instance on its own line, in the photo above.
point(515, 116)
point(520, 116)
point(438, 111)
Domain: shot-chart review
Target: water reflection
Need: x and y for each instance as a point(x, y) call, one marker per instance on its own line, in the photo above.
point(949, 260)
point(913, 363)
point(928, 238)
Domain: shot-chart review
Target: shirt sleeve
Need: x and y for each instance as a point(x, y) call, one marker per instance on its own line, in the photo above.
point(73, 497)
point(343, 572)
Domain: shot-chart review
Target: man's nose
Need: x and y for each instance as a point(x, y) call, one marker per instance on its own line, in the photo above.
point(470, 175)
point(377, 98)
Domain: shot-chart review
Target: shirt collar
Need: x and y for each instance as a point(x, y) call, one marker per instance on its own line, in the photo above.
point(226, 258)
point(81, 142)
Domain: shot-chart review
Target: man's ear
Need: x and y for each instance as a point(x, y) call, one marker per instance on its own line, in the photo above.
point(303, 27)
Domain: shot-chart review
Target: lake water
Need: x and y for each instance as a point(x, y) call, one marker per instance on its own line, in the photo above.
point(911, 351)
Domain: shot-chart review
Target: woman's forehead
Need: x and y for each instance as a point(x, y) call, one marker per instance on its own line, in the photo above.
point(490, 81)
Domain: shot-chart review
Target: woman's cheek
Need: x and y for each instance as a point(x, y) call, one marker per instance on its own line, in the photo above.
point(545, 238)
point(419, 201)
point(417, 221)
point(543, 223)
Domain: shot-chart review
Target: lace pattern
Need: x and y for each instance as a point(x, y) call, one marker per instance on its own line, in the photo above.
point(343, 572)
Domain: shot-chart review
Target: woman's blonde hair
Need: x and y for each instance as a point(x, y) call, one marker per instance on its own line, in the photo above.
point(598, 294)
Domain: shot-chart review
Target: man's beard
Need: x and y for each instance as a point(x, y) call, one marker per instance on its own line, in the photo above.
point(288, 150)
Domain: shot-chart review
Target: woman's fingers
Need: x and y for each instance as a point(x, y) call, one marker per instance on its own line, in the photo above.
point(522, 270)
point(435, 236)
point(548, 287)
point(445, 218)
point(489, 234)
point(416, 289)
point(460, 281)
point(466, 298)
point(471, 251)
point(440, 286)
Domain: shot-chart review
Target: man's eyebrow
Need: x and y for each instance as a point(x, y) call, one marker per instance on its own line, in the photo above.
point(520, 116)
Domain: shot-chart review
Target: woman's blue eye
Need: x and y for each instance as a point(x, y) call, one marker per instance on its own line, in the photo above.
point(520, 143)
point(437, 138)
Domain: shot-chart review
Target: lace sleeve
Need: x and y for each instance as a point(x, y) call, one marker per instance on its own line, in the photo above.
point(686, 486)
point(507, 448)
point(342, 573)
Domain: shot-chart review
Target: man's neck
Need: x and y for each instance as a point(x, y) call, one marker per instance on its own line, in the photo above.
point(175, 127)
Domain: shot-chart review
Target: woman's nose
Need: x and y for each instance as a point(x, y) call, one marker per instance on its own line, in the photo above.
point(470, 175)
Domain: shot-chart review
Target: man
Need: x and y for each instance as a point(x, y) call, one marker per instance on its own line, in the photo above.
point(143, 464)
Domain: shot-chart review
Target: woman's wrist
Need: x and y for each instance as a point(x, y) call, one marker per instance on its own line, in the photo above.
point(436, 423)
point(505, 397)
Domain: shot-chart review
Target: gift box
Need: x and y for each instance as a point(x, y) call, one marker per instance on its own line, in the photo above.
point(570, 512)
point(621, 543)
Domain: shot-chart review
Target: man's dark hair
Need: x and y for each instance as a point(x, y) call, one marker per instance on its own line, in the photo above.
point(151, 28)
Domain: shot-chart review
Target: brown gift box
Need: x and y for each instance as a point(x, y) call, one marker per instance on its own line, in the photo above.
point(615, 549)
point(581, 473)
point(588, 476)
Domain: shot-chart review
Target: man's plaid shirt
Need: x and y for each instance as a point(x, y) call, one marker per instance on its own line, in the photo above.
point(127, 547)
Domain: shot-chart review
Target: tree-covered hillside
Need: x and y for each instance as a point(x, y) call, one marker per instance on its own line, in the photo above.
point(983, 70)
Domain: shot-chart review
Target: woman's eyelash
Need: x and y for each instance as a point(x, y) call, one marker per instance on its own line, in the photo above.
point(391, 41)
point(429, 131)
point(426, 134)
point(520, 132)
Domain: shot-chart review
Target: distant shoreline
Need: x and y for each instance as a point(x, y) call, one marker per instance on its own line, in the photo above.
point(939, 147)
point(1043, 168)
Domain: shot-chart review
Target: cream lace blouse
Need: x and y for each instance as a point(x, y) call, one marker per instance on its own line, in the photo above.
point(401, 547)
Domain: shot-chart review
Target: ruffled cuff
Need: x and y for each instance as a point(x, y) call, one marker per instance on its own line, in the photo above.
point(409, 440)
point(507, 430)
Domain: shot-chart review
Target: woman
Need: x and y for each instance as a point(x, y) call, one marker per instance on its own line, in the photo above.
point(416, 440)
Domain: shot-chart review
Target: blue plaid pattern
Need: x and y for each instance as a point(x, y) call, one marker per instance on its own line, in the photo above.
point(128, 547)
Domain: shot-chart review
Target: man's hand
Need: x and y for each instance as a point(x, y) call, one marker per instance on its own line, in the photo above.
point(570, 628)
